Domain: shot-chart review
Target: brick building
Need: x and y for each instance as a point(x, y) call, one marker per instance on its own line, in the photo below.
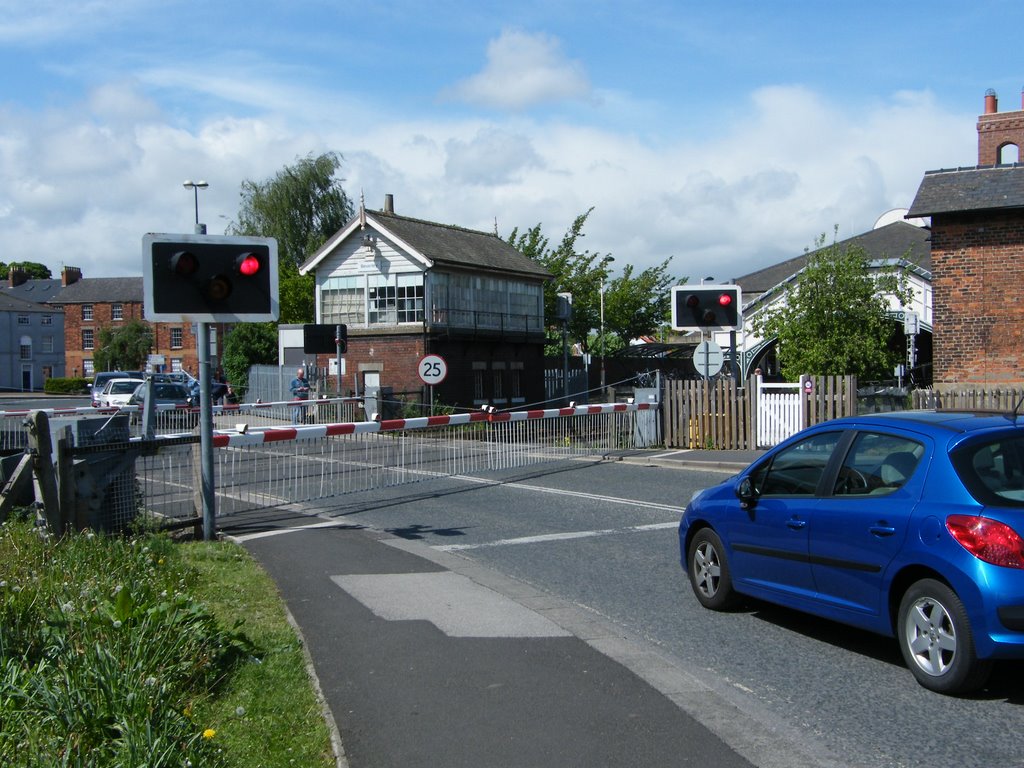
point(406, 288)
point(92, 304)
point(977, 248)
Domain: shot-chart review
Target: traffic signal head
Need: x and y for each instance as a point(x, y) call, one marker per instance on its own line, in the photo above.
point(207, 278)
point(706, 307)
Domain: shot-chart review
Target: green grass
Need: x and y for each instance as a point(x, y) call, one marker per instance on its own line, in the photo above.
point(138, 651)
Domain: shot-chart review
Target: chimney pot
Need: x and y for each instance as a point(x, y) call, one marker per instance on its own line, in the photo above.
point(991, 102)
point(389, 203)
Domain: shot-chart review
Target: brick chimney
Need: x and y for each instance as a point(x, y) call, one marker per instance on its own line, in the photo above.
point(69, 275)
point(999, 130)
point(16, 277)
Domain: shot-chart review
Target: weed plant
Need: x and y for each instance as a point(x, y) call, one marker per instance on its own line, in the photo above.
point(105, 653)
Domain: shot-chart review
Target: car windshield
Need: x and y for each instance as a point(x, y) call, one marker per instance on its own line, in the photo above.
point(122, 387)
point(993, 471)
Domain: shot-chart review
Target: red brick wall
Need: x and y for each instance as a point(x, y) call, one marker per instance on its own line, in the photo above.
point(996, 130)
point(102, 317)
point(978, 301)
point(396, 356)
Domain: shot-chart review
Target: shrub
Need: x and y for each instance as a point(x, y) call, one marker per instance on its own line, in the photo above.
point(66, 386)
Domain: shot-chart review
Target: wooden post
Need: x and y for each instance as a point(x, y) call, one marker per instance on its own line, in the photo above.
point(43, 473)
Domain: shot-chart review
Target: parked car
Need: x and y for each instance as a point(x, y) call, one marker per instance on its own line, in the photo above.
point(117, 392)
point(182, 416)
point(906, 524)
point(100, 380)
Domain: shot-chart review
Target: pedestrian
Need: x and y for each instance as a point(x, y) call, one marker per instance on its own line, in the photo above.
point(300, 391)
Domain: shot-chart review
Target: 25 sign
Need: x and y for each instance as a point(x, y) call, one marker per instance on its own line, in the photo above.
point(432, 369)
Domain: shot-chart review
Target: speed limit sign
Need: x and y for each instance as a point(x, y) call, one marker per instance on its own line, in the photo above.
point(432, 369)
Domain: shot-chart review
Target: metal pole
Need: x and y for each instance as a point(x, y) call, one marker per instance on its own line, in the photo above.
point(565, 360)
point(337, 341)
point(602, 337)
point(206, 434)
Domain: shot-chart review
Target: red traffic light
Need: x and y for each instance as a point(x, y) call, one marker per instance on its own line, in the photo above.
point(248, 264)
point(725, 299)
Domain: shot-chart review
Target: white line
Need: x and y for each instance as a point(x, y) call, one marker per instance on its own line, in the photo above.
point(577, 494)
point(555, 537)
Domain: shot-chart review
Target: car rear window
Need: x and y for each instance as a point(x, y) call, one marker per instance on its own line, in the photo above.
point(993, 471)
point(124, 387)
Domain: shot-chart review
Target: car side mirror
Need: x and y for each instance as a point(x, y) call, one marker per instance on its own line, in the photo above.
point(745, 493)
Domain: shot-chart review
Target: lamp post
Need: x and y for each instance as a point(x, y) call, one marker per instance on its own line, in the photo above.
point(604, 266)
point(195, 186)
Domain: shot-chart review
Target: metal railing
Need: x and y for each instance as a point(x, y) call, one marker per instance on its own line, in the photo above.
point(270, 467)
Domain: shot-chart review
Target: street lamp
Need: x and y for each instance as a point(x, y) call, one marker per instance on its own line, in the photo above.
point(195, 186)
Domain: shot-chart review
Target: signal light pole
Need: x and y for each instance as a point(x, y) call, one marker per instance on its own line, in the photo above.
point(195, 186)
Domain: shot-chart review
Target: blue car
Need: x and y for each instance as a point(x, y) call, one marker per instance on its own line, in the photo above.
point(905, 524)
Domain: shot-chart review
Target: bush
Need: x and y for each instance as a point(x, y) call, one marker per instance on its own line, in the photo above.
point(66, 386)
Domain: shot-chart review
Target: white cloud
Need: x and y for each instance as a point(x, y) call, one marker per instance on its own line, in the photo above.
point(524, 70)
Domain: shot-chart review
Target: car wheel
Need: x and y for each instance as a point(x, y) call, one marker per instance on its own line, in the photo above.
point(935, 637)
point(709, 571)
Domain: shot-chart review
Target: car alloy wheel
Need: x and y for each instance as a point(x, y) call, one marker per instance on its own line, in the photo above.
point(936, 641)
point(709, 571)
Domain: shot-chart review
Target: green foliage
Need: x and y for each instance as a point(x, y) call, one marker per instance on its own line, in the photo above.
point(302, 206)
point(634, 305)
point(33, 269)
point(833, 321)
point(248, 344)
point(66, 386)
point(124, 348)
point(103, 651)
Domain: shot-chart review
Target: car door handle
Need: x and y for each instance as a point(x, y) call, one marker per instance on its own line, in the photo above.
point(882, 530)
point(795, 524)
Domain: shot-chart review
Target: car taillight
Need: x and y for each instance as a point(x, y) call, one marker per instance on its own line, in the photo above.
point(987, 539)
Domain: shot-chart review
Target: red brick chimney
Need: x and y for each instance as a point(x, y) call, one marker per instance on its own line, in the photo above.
point(16, 277)
point(69, 275)
point(999, 130)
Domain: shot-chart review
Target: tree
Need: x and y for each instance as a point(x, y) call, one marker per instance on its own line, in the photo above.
point(32, 269)
point(125, 348)
point(833, 322)
point(248, 344)
point(302, 206)
point(639, 306)
point(634, 306)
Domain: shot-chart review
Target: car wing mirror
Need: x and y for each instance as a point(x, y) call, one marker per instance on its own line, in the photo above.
point(745, 493)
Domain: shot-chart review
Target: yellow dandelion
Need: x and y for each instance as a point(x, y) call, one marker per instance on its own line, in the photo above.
point(209, 733)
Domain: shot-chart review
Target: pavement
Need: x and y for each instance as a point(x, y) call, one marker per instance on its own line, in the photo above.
point(426, 658)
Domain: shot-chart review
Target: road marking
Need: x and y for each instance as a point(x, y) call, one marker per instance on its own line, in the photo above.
point(453, 603)
point(576, 494)
point(556, 537)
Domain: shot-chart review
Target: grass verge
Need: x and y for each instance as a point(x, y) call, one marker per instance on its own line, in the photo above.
point(129, 651)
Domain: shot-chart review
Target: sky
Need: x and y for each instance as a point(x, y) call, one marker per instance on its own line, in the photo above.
point(723, 136)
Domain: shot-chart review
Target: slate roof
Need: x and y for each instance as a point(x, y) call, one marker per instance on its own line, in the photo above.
point(100, 290)
point(37, 290)
point(445, 245)
point(978, 188)
point(9, 303)
point(892, 241)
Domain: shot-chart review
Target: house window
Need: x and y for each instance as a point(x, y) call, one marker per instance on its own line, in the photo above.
point(88, 369)
point(47, 343)
point(25, 348)
point(47, 320)
point(176, 338)
point(87, 342)
point(87, 313)
point(176, 365)
point(410, 298)
point(478, 383)
point(498, 377)
point(516, 382)
point(342, 301)
point(22, 319)
point(381, 301)
point(117, 312)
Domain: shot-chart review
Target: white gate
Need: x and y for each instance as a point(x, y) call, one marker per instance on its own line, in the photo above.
point(780, 412)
